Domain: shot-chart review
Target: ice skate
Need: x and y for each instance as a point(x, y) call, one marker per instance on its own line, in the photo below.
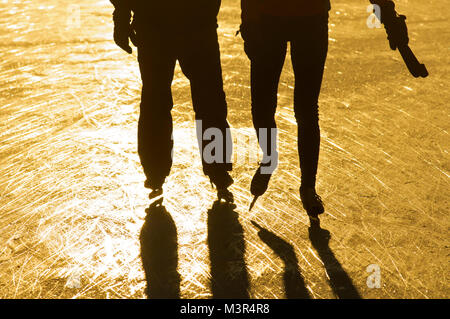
point(312, 202)
point(156, 189)
point(222, 181)
point(155, 193)
point(259, 185)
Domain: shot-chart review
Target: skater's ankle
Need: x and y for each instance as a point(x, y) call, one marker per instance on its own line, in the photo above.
point(304, 187)
point(154, 184)
point(221, 180)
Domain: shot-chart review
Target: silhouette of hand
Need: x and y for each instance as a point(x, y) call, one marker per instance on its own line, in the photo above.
point(397, 32)
point(123, 33)
point(395, 26)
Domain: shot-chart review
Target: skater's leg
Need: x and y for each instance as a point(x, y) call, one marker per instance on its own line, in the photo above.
point(266, 49)
point(200, 62)
point(308, 52)
point(157, 62)
point(267, 55)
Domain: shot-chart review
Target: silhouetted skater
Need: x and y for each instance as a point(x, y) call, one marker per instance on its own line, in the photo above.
point(166, 31)
point(267, 27)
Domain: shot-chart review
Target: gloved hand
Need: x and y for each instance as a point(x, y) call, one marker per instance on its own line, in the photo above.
point(123, 33)
point(397, 32)
point(395, 25)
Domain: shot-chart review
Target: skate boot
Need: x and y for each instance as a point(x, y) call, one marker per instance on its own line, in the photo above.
point(222, 181)
point(156, 188)
point(259, 185)
point(312, 202)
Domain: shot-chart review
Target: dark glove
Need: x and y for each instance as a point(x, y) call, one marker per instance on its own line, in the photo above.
point(395, 25)
point(123, 33)
point(397, 33)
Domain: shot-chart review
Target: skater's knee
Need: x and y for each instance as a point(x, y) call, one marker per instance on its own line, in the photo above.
point(212, 117)
point(307, 113)
point(262, 119)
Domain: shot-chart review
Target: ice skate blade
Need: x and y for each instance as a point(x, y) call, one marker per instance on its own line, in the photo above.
point(155, 194)
point(253, 203)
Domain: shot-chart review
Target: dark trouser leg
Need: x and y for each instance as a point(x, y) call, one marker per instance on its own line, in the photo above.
point(309, 50)
point(267, 55)
point(157, 63)
point(199, 58)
